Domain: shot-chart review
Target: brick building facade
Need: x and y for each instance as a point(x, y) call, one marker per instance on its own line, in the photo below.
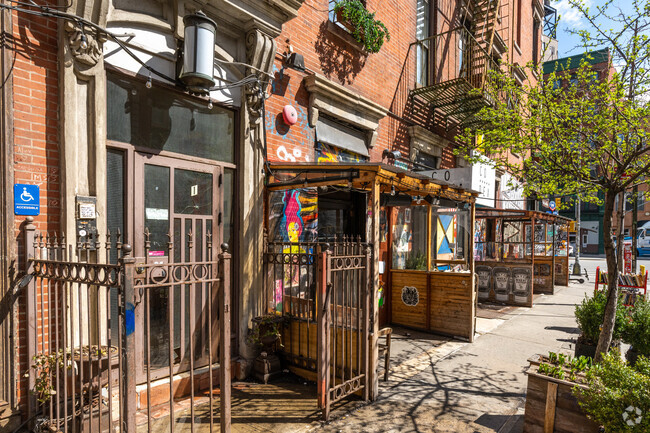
point(69, 90)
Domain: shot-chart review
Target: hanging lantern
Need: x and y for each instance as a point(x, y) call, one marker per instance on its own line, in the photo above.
point(198, 53)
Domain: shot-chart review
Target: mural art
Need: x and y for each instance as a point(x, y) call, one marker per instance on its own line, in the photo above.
point(325, 154)
point(521, 285)
point(293, 218)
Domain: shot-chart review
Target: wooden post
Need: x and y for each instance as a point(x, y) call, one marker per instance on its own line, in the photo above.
point(323, 335)
point(532, 260)
point(553, 262)
point(472, 269)
point(224, 336)
point(30, 313)
point(127, 407)
point(373, 379)
point(551, 402)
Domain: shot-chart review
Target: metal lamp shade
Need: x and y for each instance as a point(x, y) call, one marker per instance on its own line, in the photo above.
point(198, 54)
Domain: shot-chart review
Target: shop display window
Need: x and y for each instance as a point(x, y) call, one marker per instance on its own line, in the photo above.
point(410, 238)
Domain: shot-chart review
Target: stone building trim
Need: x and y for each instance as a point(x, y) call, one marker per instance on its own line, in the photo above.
point(340, 102)
point(423, 140)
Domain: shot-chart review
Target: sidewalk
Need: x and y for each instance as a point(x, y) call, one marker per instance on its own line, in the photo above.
point(479, 387)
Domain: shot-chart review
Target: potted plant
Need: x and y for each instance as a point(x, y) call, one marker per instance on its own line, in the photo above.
point(416, 261)
point(637, 332)
point(589, 315)
point(362, 24)
point(617, 395)
point(265, 333)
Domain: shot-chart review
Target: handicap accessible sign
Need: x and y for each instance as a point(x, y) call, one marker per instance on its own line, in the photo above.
point(26, 199)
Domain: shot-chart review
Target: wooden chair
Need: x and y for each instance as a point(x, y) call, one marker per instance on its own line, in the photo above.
point(387, 332)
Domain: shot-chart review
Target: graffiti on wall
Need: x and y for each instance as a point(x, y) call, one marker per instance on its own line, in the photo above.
point(298, 135)
point(325, 154)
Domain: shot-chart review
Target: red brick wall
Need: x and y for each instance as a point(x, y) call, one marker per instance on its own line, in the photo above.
point(36, 117)
point(332, 54)
point(384, 77)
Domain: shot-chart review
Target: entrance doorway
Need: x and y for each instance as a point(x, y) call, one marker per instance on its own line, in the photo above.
point(177, 209)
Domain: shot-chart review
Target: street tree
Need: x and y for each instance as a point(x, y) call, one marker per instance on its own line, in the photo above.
point(580, 132)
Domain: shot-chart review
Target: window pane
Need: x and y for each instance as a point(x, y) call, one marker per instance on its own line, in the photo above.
point(449, 237)
point(228, 198)
point(410, 238)
point(161, 119)
point(156, 204)
point(192, 192)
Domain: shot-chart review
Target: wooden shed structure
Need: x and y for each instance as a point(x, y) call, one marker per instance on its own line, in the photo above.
point(518, 253)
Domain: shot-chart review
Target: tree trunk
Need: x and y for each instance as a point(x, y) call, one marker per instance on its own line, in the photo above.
point(612, 287)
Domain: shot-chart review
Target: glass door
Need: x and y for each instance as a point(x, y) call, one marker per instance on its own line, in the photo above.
point(177, 218)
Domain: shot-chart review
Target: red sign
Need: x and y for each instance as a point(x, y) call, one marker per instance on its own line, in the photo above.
point(627, 258)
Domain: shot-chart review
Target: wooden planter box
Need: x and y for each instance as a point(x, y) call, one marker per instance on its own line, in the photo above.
point(552, 407)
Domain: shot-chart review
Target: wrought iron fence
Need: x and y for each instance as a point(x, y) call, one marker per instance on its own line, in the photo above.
point(83, 316)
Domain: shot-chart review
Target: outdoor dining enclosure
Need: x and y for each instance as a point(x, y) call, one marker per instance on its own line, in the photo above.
point(519, 253)
point(431, 265)
point(326, 272)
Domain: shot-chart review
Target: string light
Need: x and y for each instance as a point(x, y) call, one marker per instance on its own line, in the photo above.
point(149, 83)
point(392, 190)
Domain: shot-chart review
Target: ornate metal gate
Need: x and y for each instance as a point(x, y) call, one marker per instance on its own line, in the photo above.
point(323, 291)
point(81, 336)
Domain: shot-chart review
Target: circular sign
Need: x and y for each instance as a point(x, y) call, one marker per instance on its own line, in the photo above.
point(410, 296)
point(551, 205)
point(289, 115)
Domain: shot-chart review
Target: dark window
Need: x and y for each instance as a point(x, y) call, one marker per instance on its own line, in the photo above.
point(536, 26)
point(161, 119)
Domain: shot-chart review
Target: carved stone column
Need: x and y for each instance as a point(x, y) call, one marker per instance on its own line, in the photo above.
point(83, 113)
point(260, 54)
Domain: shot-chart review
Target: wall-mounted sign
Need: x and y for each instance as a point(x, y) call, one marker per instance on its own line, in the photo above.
point(479, 177)
point(26, 199)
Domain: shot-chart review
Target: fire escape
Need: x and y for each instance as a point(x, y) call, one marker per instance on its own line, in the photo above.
point(458, 62)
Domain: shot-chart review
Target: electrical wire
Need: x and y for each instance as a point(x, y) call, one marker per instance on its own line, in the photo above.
point(46, 11)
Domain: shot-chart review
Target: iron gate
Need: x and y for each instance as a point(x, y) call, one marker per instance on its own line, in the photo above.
point(81, 335)
point(323, 291)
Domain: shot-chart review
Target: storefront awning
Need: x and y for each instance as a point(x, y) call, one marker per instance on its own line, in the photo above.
point(292, 175)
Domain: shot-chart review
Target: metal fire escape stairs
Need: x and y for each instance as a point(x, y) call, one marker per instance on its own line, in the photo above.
point(460, 95)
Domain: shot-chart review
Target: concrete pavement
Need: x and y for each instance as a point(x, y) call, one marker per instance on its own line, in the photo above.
point(479, 387)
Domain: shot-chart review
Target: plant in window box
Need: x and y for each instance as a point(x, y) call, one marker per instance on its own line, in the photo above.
point(362, 24)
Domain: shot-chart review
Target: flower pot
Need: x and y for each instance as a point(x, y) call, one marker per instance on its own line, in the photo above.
point(341, 20)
